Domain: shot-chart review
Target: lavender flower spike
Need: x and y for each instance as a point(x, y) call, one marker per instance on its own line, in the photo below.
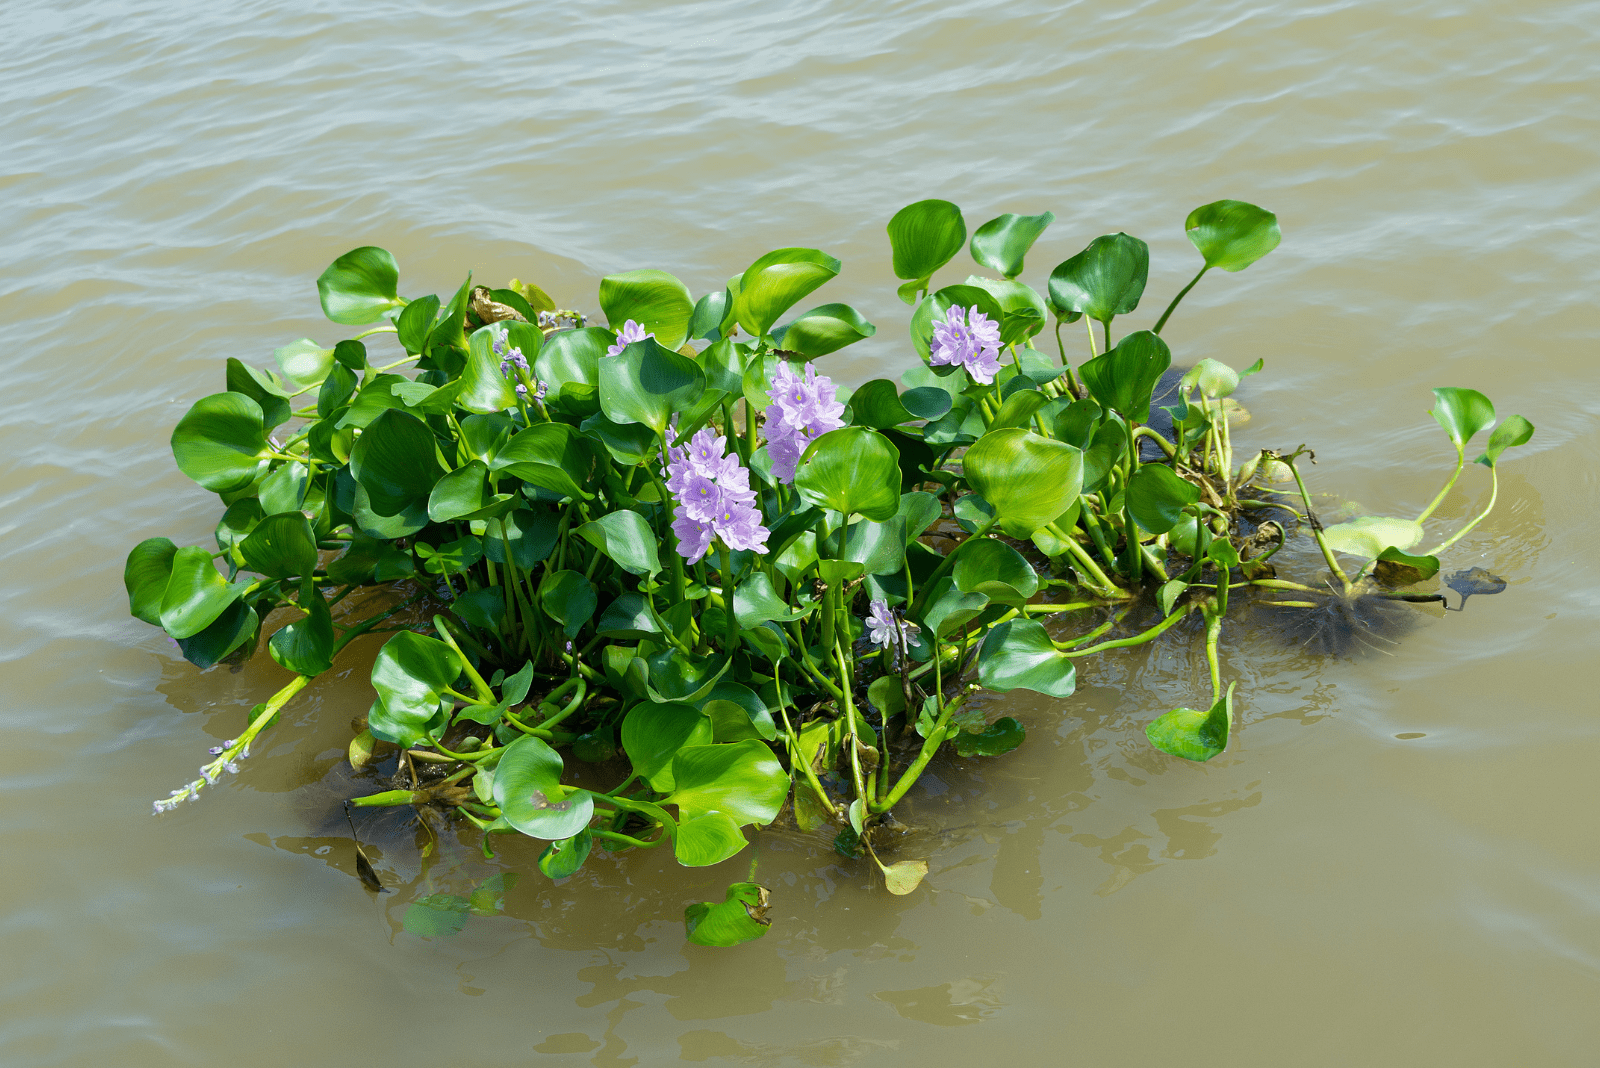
point(714, 498)
point(630, 332)
point(803, 409)
point(969, 339)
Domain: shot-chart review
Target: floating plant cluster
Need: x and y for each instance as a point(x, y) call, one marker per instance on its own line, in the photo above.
point(672, 559)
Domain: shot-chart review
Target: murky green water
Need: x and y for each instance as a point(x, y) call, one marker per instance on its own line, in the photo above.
point(1396, 864)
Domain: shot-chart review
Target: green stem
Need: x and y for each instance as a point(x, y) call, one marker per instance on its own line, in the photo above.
point(1494, 492)
point(1123, 643)
point(732, 628)
point(1316, 527)
point(1461, 463)
point(930, 745)
point(1184, 292)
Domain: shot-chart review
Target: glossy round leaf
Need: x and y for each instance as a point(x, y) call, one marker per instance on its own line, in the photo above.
point(528, 790)
point(943, 607)
point(1019, 654)
point(221, 442)
point(304, 362)
point(1104, 280)
point(1157, 497)
point(708, 839)
point(484, 387)
point(569, 366)
point(281, 546)
point(1508, 435)
point(1192, 734)
point(648, 384)
point(360, 286)
point(569, 599)
point(1462, 412)
point(415, 323)
point(410, 673)
point(1215, 379)
point(196, 593)
point(394, 461)
point(1125, 378)
point(626, 538)
point(925, 236)
point(997, 571)
point(742, 779)
point(1027, 478)
point(776, 282)
point(1232, 234)
point(1396, 568)
point(548, 455)
point(997, 739)
point(824, 329)
point(741, 918)
point(654, 299)
point(145, 577)
point(1002, 242)
point(653, 733)
point(562, 859)
point(306, 645)
point(755, 602)
point(263, 387)
point(853, 470)
point(229, 632)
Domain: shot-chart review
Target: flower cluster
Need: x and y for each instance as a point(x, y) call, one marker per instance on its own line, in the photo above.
point(514, 366)
point(630, 332)
point(881, 625)
point(968, 339)
point(802, 410)
point(714, 498)
point(227, 761)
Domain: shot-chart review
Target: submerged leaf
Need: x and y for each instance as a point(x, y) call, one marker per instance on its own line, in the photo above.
point(1192, 734)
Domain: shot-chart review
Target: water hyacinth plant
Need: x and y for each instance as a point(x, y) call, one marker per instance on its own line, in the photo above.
point(655, 583)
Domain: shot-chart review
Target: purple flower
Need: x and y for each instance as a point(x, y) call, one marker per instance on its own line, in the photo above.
point(803, 409)
point(631, 332)
point(881, 626)
point(522, 390)
point(967, 339)
point(714, 498)
point(538, 394)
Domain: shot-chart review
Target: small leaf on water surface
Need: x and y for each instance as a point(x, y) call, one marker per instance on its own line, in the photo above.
point(1018, 654)
point(740, 918)
point(436, 915)
point(1369, 535)
point(902, 877)
point(1001, 736)
point(1476, 580)
point(1395, 568)
point(1232, 234)
point(563, 859)
point(1192, 734)
point(527, 787)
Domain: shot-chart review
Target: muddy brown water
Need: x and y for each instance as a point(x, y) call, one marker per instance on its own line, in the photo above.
point(1396, 863)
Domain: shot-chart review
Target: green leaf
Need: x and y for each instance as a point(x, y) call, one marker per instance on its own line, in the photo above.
point(880, 548)
point(196, 593)
point(1002, 242)
point(938, 305)
point(436, 916)
point(705, 322)
point(1017, 409)
point(1018, 654)
point(653, 733)
point(1157, 497)
point(1232, 234)
point(569, 599)
point(877, 404)
point(944, 607)
point(919, 509)
point(548, 455)
point(627, 539)
point(708, 839)
point(461, 494)
point(923, 237)
point(304, 362)
point(1508, 435)
point(737, 712)
point(145, 577)
point(360, 286)
point(887, 696)
point(306, 645)
point(394, 461)
point(230, 631)
point(484, 388)
point(569, 366)
point(648, 384)
point(221, 442)
point(999, 737)
point(1371, 534)
point(755, 602)
point(997, 571)
point(852, 470)
point(1027, 478)
point(1462, 412)
point(561, 860)
point(264, 388)
point(628, 617)
point(410, 674)
point(674, 677)
point(1104, 280)
point(741, 779)
point(653, 299)
point(1395, 568)
point(527, 787)
point(1192, 734)
point(741, 918)
point(532, 536)
point(1124, 378)
point(484, 607)
point(281, 546)
point(416, 322)
point(1023, 313)
point(776, 282)
point(823, 329)
point(1215, 379)
point(336, 390)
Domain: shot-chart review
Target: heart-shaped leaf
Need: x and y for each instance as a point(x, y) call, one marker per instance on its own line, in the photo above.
point(569, 599)
point(1002, 242)
point(1104, 280)
point(281, 546)
point(394, 461)
point(853, 470)
point(527, 787)
point(1125, 378)
point(924, 237)
point(654, 299)
point(263, 387)
point(741, 779)
point(1027, 478)
point(943, 606)
point(1508, 435)
point(648, 384)
point(306, 645)
point(1369, 535)
point(1395, 568)
point(776, 282)
point(360, 286)
point(627, 539)
point(1232, 234)
point(1157, 497)
point(708, 839)
point(1462, 412)
point(1018, 654)
point(653, 733)
point(562, 859)
point(997, 571)
point(410, 674)
point(551, 456)
point(145, 577)
point(998, 738)
point(221, 442)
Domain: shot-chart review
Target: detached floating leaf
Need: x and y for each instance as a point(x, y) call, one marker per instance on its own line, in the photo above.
point(741, 918)
point(1192, 734)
